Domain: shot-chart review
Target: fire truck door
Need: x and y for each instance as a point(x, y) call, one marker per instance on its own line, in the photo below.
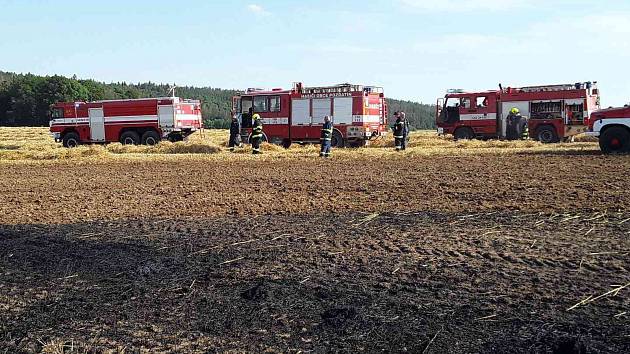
point(97, 124)
point(467, 109)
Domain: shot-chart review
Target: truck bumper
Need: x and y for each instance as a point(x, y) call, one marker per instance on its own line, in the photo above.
point(593, 134)
point(56, 136)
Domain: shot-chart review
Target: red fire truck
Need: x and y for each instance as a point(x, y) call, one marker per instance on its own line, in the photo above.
point(137, 121)
point(556, 112)
point(612, 127)
point(359, 113)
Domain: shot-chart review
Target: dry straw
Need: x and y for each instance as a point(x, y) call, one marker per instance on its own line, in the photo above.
point(34, 144)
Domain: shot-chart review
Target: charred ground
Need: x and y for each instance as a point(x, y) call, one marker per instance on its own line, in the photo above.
point(457, 254)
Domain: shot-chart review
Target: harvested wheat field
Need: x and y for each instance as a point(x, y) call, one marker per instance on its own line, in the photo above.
point(448, 247)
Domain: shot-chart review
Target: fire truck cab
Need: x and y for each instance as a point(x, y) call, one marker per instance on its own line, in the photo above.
point(359, 113)
point(612, 127)
point(556, 112)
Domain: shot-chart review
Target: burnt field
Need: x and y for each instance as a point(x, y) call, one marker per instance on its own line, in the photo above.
point(489, 253)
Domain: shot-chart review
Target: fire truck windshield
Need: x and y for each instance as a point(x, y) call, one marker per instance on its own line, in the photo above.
point(453, 102)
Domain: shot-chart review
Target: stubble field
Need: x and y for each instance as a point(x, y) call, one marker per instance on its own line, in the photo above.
point(448, 247)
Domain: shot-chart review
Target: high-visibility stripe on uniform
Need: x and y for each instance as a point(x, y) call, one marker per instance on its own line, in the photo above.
point(398, 136)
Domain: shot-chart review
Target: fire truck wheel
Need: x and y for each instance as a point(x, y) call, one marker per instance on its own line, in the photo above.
point(615, 140)
point(337, 139)
point(151, 138)
point(286, 143)
point(70, 140)
point(464, 134)
point(547, 135)
point(129, 138)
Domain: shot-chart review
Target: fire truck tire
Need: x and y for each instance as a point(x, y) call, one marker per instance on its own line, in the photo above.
point(547, 135)
point(151, 138)
point(615, 140)
point(464, 134)
point(130, 137)
point(70, 140)
point(337, 139)
point(286, 143)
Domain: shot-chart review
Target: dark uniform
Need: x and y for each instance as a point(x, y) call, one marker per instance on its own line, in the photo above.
point(326, 139)
point(399, 134)
point(405, 134)
point(235, 134)
point(513, 126)
point(257, 136)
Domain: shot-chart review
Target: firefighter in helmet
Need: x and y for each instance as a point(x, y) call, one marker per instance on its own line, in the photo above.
point(235, 133)
point(257, 134)
point(400, 131)
point(326, 137)
point(513, 123)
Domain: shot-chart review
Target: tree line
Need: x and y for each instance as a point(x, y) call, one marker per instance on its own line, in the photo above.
point(26, 99)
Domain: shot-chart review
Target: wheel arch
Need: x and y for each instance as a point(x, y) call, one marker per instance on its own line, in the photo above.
point(139, 130)
point(473, 134)
point(69, 130)
point(612, 125)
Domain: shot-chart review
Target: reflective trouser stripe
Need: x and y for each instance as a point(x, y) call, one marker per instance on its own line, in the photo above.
point(255, 149)
point(325, 139)
point(398, 136)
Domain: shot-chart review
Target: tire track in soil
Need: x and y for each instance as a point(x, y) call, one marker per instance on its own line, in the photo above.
point(486, 282)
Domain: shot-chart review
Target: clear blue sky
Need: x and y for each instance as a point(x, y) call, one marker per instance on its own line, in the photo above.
point(415, 49)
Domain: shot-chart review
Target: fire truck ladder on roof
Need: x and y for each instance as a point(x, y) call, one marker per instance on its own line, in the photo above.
point(562, 87)
point(342, 88)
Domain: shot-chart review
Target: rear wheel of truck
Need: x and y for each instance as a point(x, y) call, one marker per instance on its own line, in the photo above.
point(150, 138)
point(286, 143)
point(130, 138)
point(337, 140)
point(547, 135)
point(615, 140)
point(70, 140)
point(464, 134)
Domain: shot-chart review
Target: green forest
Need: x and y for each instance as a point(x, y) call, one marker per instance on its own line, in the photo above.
point(26, 99)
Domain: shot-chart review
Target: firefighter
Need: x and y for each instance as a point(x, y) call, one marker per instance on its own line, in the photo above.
point(235, 133)
point(524, 128)
point(403, 117)
point(326, 137)
point(257, 134)
point(399, 132)
point(513, 122)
